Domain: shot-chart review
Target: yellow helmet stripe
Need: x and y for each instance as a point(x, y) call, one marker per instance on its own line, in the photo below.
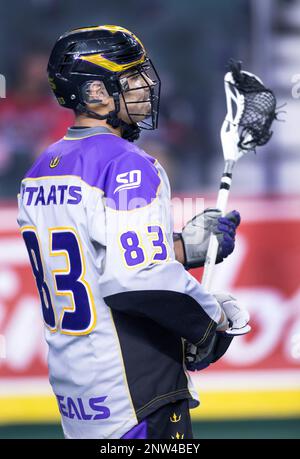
point(111, 28)
point(97, 59)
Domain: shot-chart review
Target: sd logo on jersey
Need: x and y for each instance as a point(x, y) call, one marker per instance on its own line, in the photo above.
point(129, 180)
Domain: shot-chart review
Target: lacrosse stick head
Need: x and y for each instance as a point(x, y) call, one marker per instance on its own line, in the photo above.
point(251, 109)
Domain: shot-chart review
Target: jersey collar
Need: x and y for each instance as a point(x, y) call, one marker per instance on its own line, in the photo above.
point(77, 132)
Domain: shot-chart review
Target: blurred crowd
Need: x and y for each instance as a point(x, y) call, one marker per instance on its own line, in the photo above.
point(190, 46)
point(189, 65)
point(30, 120)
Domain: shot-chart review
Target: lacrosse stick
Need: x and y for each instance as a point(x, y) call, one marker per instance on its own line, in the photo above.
point(251, 109)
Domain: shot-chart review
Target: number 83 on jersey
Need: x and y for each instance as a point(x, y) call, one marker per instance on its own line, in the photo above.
point(79, 317)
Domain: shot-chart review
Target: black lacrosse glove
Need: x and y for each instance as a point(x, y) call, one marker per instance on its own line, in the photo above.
point(196, 234)
point(198, 358)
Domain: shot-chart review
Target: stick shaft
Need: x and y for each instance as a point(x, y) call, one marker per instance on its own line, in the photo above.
point(222, 200)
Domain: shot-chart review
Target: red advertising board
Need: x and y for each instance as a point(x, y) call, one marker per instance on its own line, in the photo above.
point(263, 273)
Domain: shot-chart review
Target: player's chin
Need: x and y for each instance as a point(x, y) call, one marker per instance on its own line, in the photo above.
point(138, 118)
point(143, 112)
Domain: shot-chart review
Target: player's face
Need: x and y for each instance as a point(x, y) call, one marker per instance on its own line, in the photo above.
point(136, 95)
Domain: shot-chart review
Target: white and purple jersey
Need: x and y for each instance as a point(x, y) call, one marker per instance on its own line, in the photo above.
point(94, 211)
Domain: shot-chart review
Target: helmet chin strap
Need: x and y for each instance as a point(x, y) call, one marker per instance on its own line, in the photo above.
point(130, 132)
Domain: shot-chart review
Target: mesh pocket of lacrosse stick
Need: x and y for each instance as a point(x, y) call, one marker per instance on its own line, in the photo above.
point(255, 107)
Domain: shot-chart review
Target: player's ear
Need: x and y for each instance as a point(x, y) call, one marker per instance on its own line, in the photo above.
point(94, 92)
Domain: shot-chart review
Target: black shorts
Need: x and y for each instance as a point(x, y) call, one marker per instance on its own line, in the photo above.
point(171, 421)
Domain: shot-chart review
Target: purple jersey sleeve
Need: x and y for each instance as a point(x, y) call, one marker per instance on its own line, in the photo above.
point(132, 181)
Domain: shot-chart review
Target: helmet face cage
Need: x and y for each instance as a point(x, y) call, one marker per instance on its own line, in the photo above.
point(151, 84)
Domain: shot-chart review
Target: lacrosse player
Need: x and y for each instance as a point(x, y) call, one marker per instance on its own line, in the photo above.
point(117, 299)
